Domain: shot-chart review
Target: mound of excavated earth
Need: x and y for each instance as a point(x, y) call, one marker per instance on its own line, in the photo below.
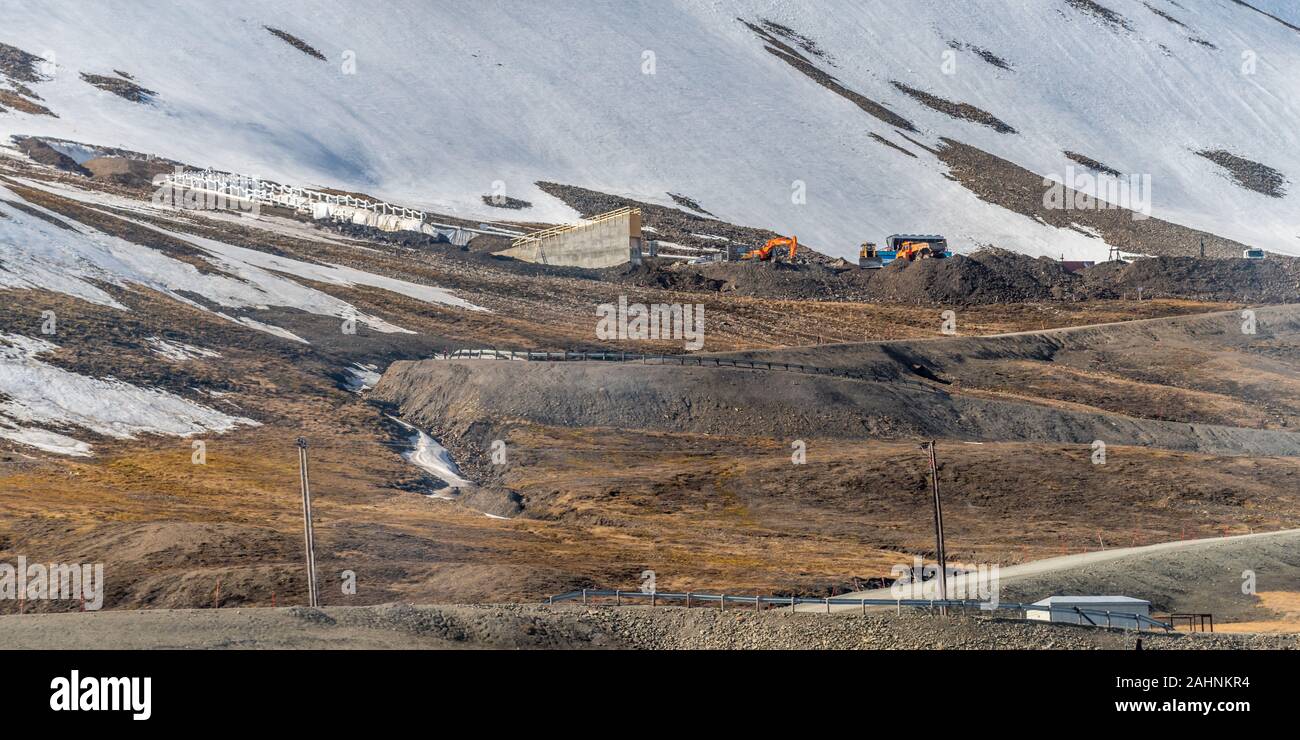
point(457, 395)
point(900, 389)
point(986, 276)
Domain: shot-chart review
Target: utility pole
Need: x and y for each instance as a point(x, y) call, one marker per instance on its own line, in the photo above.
point(308, 537)
point(938, 529)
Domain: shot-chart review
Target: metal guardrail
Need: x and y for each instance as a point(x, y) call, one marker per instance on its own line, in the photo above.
point(757, 602)
point(680, 360)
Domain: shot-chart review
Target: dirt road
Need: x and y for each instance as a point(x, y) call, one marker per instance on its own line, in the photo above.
point(1202, 575)
point(400, 626)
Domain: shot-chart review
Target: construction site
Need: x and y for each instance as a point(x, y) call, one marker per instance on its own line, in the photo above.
point(1115, 437)
point(495, 354)
point(963, 332)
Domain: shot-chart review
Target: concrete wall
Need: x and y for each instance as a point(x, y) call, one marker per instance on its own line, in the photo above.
point(613, 241)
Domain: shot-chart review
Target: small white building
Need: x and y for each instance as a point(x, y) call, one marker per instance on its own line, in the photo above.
point(1091, 610)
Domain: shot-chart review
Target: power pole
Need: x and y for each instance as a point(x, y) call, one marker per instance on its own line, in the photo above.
point(938, 529)
point(308, 536)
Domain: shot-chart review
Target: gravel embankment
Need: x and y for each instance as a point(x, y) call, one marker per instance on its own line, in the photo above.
point(400, 626)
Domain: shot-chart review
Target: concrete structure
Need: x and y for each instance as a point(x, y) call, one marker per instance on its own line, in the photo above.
point(1091, 610)
point(606, 240)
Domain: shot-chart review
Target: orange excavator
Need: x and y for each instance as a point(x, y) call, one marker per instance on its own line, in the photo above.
point(767, 252)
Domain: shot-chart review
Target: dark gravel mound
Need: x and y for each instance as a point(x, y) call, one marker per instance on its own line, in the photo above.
point(987, 276)
point(785, 280)
point(655, 274)
point(1273, 280)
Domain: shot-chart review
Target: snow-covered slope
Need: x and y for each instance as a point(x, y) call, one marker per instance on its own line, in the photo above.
point(41, 250)
point(35, 395)
point(1285, 10)
point(72, 258)
point(451, 101)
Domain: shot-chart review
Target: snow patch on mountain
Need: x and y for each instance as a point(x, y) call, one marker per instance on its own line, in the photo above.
point(35, 395)
point(434, 459)
point(361, 377)
point(40, 255)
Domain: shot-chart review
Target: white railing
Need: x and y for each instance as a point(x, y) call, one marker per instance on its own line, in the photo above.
point(245, 187)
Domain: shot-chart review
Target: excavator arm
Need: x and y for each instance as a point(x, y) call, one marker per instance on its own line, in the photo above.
point(768, 250)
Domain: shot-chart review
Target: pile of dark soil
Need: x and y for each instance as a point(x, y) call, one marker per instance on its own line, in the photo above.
point(654, 274)
point(784, 280)
point(987, 276)
point(1273, 280)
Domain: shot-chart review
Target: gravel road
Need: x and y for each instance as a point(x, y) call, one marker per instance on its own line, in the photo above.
point(1182, 576)
point(400, 626)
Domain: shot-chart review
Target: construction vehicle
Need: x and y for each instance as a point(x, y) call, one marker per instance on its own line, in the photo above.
point(912, 247)
point(869, 257)
point(767, 252)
